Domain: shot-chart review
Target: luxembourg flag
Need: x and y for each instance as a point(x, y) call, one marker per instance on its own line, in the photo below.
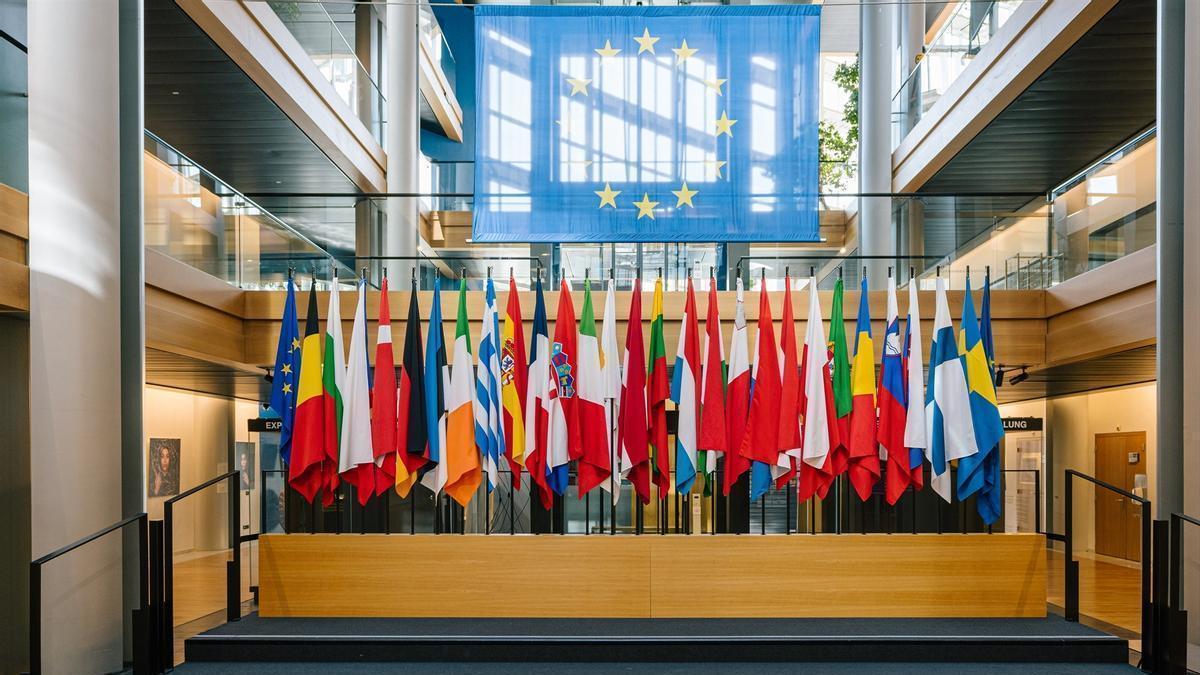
point(948, 427)
point(684, 385)
point(489, 429)
point(893, 409)
point(914, 368)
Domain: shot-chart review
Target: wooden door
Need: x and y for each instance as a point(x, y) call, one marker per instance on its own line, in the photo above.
point(1118, 521)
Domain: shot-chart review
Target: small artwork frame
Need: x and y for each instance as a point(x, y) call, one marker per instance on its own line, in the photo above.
point(162, 467)
point(244, 460)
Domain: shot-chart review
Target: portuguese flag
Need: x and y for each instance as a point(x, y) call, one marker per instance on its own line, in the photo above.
point(308, 428)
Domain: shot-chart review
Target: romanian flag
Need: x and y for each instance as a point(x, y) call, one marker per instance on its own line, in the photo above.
point(437, 377)
point(412, 437)
point(383, 398)
point(864, 420)
point(790, 453)
point(657, 393)
point(737, 403)
point(632, 424)
point(333, 383)
point(976, 473)
point(685, 385)
point(537, 403)
point(462, 458)
point(595, 465)
point(713, 436)
point(839, 372)
point(306, 470)
point(893, 402)
point(760, 443)
point(514, 379)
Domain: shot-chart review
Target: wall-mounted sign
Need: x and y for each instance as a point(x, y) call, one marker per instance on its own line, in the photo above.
point(1022, 424)
point(261, 424)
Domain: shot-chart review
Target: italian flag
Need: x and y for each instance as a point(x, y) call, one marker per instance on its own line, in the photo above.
point(463, 473)
point(595, 466)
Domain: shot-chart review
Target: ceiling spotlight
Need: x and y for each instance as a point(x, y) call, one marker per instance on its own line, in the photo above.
point(1019, 377)
point(999, 376)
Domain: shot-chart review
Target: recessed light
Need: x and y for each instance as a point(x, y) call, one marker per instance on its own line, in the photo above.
point(174, 93)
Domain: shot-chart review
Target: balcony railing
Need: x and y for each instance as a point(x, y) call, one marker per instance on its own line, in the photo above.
point(198, 219)
point(969, 28)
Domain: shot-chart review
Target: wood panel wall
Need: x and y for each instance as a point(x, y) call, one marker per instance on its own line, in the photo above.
point(948, 575)
point(14, 250)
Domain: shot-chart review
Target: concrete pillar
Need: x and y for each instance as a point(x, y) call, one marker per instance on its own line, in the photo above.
point(402, 136)
point(876, 234)
point(75, 326)
point(1172, 312)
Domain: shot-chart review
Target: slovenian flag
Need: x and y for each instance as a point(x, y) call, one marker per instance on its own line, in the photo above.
point(948, 426)
point(975, 471)
point(893, 402)
point(357, 464)
point(489, 430)
point(286, 372)
point(306, 469)
point(864, 446)
point(514, 379)
point(914, 380)
point(737, 403)
point(462, 457)
point(633, 437)
point(685, 383)
point(595, 465)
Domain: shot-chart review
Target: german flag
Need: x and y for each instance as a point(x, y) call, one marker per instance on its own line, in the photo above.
point(308, 431)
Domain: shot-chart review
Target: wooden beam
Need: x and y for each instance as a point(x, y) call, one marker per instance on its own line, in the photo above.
point(14, 250)
point(1000, 575)
point(438, 93)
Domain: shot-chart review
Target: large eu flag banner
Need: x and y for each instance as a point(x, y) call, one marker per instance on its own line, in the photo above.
point(646, 123)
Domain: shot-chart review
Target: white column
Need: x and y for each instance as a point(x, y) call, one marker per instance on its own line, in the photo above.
point(876, 235)
point(402, 135)
point(910, 26)
point(74, 326)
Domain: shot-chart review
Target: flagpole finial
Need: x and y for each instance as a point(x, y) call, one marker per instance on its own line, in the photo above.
point(839, 272)
point(414, 274)
point(812, 271)
point(889, 271)
point(987, 272)
point(939, 271)
point(911, 273)
point(462, 272)
point(587, 273)
point(291, 272)
point(363, 274)
point(384, 270)
point(660, 273)
point(864, 276)
point(787, 270)
point(689, 273)
point(489, 272)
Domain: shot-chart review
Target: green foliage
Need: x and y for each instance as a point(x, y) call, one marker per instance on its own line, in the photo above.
point(288, 10)
point(836, 149)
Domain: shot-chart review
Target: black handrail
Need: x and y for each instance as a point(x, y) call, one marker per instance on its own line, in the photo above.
point(1175, 632)
point(233, 568)
point(1071, 567)
point(141, 646)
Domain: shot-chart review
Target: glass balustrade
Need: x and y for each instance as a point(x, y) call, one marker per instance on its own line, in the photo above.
point(196, 218)
point(433, 41)
point(970, 27)
point(330, 39)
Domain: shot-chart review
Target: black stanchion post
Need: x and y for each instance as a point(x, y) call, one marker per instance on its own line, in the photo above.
point(1070, 569)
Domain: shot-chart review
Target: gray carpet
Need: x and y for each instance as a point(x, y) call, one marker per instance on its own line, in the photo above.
point(656, 668)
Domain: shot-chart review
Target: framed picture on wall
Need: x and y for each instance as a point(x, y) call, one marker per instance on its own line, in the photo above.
point(162, 476)
point(243, 455)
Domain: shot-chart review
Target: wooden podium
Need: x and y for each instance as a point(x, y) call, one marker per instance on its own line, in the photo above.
point(653, 576)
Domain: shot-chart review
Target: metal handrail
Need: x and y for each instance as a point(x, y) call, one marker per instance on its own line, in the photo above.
point(233, 568)
point(1175, 616)
point(1071, 567)
point(141, 664)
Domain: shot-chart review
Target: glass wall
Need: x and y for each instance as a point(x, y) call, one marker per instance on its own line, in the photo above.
point(971, 26)
point(14, 99)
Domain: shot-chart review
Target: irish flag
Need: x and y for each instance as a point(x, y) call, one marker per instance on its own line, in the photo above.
point(712, 437)
point(462, 459)
point(685, 383)
point(657, 393)
point(737, 403)
point(305, 470)
point(514, 381)
point(595, 466)
point(333, 383)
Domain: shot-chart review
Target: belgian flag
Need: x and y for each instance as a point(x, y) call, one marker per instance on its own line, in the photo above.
point(308, 430)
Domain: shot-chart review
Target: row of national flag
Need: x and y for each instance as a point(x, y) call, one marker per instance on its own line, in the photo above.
point(450, 415)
